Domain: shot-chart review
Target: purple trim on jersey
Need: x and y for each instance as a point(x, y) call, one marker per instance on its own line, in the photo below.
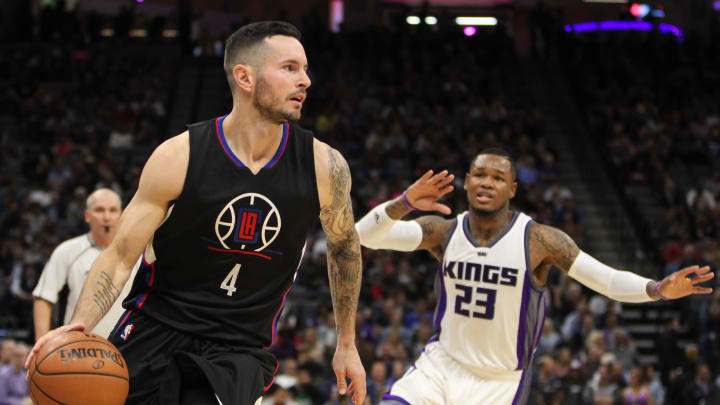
point(432, 339)
point(281, 148)
point(519, 392)
point(539, 321)
point(522, 321)
point(223, 142)
point(496, 239)
point(396, 398)
point(442, 303)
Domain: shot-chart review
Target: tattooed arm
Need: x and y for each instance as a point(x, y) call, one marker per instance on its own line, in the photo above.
point(160, 182)
point(344, 261)
point(550, 246)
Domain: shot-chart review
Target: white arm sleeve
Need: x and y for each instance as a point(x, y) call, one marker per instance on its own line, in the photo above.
point(378, 231)
point(622, 286)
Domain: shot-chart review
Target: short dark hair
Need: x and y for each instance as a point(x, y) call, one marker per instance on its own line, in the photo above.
point(502, 153)
point(247, 37)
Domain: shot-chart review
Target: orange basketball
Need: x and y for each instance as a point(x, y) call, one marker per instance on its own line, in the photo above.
point(78, 368)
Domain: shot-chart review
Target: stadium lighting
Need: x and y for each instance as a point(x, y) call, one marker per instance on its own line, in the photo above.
point(430, 20)
point(658, 13)
point(169, 33)
point(624, 26)
point(107, 32)
point(639, 10)
point(138, 33)
point(413, 20)
point(476, 21)
point(469, 31)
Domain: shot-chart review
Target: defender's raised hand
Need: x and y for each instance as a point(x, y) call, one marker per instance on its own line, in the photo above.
point(684, 282)
point(426, 191)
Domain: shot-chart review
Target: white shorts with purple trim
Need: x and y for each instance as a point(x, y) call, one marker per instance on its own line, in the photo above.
point(438, 379)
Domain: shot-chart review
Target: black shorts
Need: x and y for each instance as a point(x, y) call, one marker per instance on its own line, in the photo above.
point(165, 364)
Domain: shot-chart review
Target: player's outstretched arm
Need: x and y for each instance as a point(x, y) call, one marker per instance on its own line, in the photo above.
point(382, 227)
point(160, 182)
point(549, 245)
point(344, 264)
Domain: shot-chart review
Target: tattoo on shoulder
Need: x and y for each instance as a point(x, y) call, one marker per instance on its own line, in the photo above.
point(558, 245)
point(428, 228)
point(434, 231)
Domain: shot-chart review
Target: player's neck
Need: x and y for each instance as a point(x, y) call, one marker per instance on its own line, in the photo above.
point(251, 137)
point(486, 226)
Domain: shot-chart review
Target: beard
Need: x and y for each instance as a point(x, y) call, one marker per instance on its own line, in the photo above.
point(266, 104)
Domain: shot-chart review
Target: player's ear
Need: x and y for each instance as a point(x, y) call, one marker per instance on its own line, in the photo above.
point(467, 176)
point(87, 216)
point(244, 76)
point(513, 189)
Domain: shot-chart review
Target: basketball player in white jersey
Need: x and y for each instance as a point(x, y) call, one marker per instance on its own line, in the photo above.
point(70, 264)
point(491, 284)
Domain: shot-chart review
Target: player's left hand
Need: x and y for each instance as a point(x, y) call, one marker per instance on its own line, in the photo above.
point(684, 282)
point(346, 364)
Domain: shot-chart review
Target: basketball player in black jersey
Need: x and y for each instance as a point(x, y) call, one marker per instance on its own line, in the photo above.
point(221, 216)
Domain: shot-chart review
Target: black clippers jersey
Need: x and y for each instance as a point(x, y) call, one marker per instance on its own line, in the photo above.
point(224, 260)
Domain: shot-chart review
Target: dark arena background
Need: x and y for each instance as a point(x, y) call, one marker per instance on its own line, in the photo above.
point(611, 108)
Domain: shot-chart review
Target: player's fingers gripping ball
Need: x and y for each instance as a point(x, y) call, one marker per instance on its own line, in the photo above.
point(78, 368)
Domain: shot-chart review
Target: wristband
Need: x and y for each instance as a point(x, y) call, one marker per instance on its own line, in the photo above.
point(407, 203)
point(657, 290)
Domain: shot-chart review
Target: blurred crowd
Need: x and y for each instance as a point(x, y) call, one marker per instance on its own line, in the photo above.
point(77, 117)
point(654, 111)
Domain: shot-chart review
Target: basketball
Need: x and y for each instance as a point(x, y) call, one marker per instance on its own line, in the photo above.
point(78, 368)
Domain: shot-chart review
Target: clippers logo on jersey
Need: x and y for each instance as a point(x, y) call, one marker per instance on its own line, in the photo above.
point(249, 221)
point(247, 231)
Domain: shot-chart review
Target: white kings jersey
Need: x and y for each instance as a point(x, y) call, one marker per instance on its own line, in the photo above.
point(490, 313)
point(69, 265)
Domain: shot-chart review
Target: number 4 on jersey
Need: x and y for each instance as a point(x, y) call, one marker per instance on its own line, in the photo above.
point(229, 283)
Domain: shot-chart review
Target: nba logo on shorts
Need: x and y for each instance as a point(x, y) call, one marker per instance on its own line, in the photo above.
point(126, 333)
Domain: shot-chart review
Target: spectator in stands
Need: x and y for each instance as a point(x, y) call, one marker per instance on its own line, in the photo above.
point(637, 392)
point(601, 390)
point(702, 389)
point(377, 383)
point(654, 385)
point(6, 351)
point(13, 387)
point(700, 198)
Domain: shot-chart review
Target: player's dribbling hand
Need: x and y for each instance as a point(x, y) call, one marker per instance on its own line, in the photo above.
point(346, 363)
point(428, 189)
point(684, 282)
point(46, 338)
